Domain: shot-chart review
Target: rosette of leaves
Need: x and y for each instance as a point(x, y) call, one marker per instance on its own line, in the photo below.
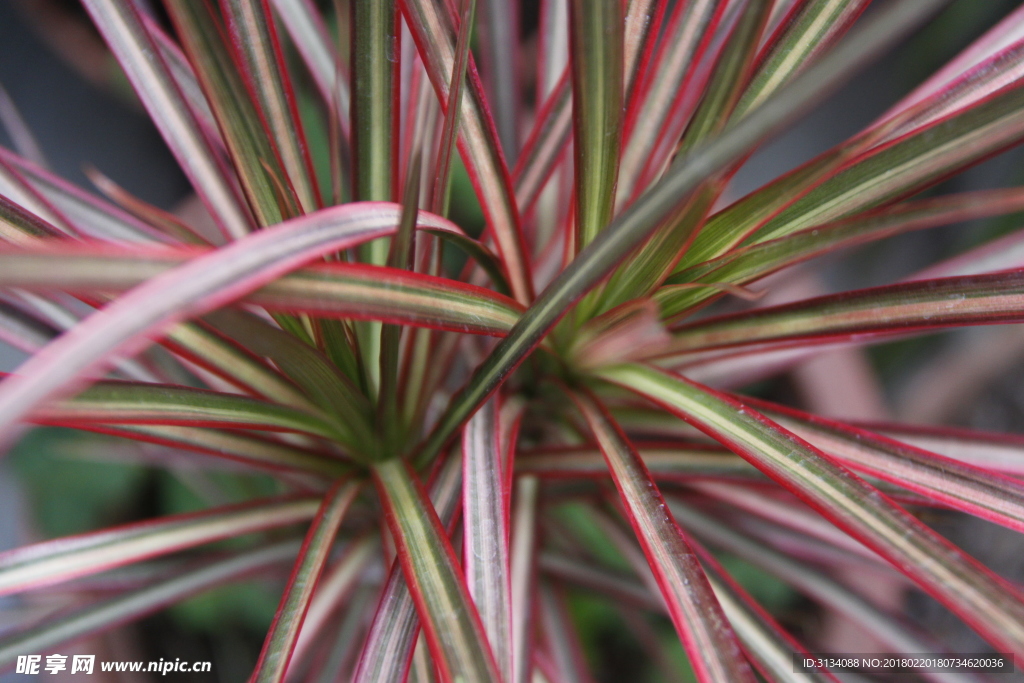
point(428, 419)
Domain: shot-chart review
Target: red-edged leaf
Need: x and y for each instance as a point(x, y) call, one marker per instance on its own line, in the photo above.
point(449, 618)
point(334, 587)
point(255, 156)
point(124, 32)
point(485, 505)
point(697, 616)
point(901, 637)
point(128, 324)
point(52, 562)
point(253, 36)
point(115, 402)
point(90, 215)
point(991, 451)
point(637, 222)
point(748, 264)
point(663, 110)
point(453, 110)
point(962, 486)
point(102, 616)
point(284, 631)
point(596, 36)
point(905, 308)
point(985, 601)
point(305, 25)
point(261, 453)
point(433, 29)
point(670, 462)
point(862, 174)
point(523, 555)
point(809, 31)
point(389, 644)
point(345, 290)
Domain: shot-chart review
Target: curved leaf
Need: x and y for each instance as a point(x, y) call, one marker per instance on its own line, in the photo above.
point(634, 224)
point(747, 264)
point(890, 310)
point(203, 284)
point(52, 562)
point(284, 631)
point(449, 617)
point(122, 28)
point(695, 611)
point(107, 614)
point(113, 402)
point(985, 601)
point(347, 290)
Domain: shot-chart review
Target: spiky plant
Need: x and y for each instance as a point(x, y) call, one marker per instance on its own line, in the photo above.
point(319, 335)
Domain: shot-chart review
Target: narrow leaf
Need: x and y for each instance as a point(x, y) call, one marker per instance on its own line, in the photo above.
point(324, 384)
point(345, 290)
point(747, 264)
point(374, 124)
point(309, 35)
point(911, 307)
point(261, 171)
point(814, 29)
point(284, 631)
point(485, 501)
point(999, 452)
point(113, 402)
point(251, 451)
point(389, 645)
point(258, 50)
point(105, 615)
point(688, 34)
point(887, 173)
point(450, 620)
point(432, 28)
point(453, 111)
point(216, 353)
point(523, 558)
point(695, 611)
point(633, 225)
point(988, 495)
point(896, 634)
point(53, 562)
point(766, 643)
point(596, 30)
point(92, 216)
point(122, 28)
point(669, 462)
point(985, 601)
point(127, 325)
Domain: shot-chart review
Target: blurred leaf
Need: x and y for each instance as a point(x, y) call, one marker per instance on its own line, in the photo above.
point(963, 585)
